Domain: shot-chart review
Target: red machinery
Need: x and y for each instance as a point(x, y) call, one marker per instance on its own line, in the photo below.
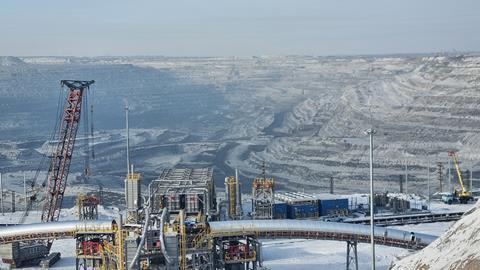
point(62, 154)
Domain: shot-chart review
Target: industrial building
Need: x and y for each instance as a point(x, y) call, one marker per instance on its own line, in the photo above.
point(263, 198)
point(300, 205)
point(87, 207)
point(189, 190)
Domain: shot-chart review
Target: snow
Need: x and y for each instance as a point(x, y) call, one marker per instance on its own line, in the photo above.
point(456, 249)
point(323, 255)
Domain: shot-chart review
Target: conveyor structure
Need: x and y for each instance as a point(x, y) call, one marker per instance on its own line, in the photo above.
point(310, 229)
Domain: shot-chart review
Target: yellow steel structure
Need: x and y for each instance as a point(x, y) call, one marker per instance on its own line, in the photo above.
point(183, 241)
point(463, 195)
point(200, 239)
point(231, 183)
point(133, 176)
point(120, 236)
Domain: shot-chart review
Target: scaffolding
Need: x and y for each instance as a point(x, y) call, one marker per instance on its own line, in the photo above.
point(352, 257)
point(263, 198)
point(87, 207)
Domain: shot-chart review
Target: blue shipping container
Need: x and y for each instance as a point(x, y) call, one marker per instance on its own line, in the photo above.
point(329, 206)
point(298, 211)
point(280, 211)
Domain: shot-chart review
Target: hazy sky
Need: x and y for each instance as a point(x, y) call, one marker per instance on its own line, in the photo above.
point(240, 27)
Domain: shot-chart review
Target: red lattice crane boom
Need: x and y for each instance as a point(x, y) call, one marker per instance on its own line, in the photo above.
point(62, 154)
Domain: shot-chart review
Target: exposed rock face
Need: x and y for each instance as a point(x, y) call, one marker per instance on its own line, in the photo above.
point(303, 115)
point(457, 249)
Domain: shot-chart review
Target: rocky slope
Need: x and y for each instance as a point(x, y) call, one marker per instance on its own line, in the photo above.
point(303, 115)
point(457, 249)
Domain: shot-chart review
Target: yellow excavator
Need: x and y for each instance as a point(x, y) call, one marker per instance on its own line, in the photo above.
point(461, 196)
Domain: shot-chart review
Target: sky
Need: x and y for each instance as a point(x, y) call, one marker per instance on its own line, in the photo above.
point(237, 27)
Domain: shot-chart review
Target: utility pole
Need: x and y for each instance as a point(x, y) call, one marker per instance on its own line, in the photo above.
point(25, 191)
point(1, 193)
point(406, 177)
point(440, 175)
point(471, 178)
point(371, 132)
point(400, 181)
point(331, 184)
point(428, 183)
point(449, 175)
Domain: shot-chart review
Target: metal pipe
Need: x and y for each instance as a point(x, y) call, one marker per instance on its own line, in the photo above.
point(52, 229)
point(162, 240)
point(247, 227)
point(142, 239)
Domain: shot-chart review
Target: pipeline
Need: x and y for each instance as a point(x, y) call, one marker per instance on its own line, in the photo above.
point(313, 227)
point(53, 230)
point(162, 241)
point(142, 239)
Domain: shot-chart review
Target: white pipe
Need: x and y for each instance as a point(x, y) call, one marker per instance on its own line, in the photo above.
point(57, 229)
point(142, 239)
point(162, 241)
point(247, 227)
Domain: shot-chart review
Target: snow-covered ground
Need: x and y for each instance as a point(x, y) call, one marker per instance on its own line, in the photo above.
point(457, 249)
point(325, 255)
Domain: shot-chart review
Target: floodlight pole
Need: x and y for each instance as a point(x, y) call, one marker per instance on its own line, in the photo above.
point(371, 132)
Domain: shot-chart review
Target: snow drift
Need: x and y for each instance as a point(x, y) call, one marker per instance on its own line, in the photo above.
point(457, 249)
